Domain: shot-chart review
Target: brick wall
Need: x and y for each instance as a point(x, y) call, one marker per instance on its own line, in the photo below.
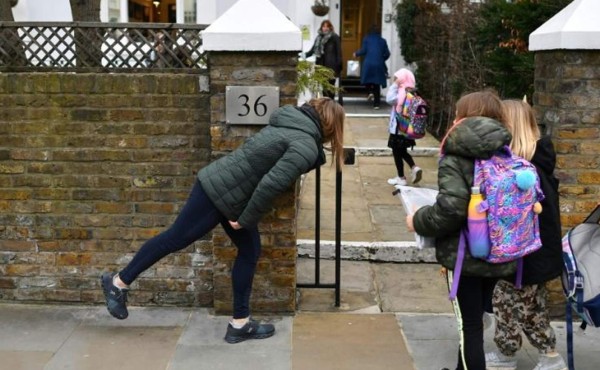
point(275, 280)
point(567, 101)
point(91, 165)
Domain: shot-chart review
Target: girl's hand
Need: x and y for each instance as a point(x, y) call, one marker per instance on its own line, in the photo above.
point(409, 223)
point(235, 225)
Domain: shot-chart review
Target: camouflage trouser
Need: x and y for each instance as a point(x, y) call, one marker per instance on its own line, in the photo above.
point(524, 310)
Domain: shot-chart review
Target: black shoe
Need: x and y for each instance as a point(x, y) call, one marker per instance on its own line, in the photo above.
point(116, 299)
point(252, 330)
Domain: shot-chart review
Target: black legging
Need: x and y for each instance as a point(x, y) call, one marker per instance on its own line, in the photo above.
point(376, 91)
point(471, 298)
point(196, 219)
point(401, 153)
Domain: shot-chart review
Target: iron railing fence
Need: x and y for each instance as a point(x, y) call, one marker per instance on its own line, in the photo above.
point(92, 46)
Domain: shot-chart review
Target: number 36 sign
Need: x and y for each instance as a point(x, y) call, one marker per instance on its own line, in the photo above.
point(250, 105)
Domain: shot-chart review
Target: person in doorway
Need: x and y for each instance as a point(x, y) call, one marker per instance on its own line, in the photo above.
point(478, 131)
point(374, 71)
point(328, 52)
point(403, 79)
point(235, 191)
point(524, 310)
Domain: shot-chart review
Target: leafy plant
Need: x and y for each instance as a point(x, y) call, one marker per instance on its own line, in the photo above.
point(314, 78)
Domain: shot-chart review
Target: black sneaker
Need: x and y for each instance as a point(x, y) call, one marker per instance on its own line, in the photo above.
point(116, 299)
point(252, 330)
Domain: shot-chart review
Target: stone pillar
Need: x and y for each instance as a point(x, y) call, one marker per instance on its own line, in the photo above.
point(253, 44)
point(567, 101)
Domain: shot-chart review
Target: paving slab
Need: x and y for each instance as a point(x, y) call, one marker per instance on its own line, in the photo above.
point(201, 346)
point(348, 341)
point(111, 347)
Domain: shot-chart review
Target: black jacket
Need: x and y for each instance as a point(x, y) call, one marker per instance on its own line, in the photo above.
point(546, 263)
point(332, 54)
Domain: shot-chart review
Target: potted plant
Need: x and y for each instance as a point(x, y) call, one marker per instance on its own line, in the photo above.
point(320, 8)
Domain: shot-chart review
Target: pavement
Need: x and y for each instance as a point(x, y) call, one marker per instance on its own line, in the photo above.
point(393, 313)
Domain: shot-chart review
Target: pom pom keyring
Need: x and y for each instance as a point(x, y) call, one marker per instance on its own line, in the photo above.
point(525, 179)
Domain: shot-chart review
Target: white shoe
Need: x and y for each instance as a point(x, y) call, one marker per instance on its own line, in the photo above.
point(547, 362)
point(370, 97)
point(397, 181)
point(417, 173)
point(498, 361)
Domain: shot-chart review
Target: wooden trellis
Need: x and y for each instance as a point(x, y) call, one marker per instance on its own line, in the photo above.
point(84, 47)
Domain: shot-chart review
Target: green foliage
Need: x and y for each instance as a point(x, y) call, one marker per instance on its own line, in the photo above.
point(509, 62)
point(468, 46)
point(314, 78)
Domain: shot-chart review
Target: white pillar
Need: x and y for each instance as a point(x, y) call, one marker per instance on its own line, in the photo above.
point(124, 11)
point(180, 11)
point(206, 11)
point(104, 11)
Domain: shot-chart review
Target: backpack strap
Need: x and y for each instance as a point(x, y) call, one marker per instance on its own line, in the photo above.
point(460, 256)
point(569, 319)
point(519, 278)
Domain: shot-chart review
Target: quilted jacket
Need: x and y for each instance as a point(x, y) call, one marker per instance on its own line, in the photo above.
point(243, 184)
point(475, 137)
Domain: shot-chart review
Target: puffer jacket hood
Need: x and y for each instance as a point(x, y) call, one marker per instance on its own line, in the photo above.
point(470, 139)
point(476, 137)
point(244, 183)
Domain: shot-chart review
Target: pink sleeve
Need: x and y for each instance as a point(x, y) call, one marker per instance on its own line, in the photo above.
point(401, 97)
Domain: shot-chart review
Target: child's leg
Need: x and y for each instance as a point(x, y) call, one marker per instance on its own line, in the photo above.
point(398, 155)
point(507, 302)
point(468, 308)
point(536, 321)
point(407, 157)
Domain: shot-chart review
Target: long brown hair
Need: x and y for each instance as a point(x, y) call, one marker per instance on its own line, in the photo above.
point(484, 103)
point(332, 123)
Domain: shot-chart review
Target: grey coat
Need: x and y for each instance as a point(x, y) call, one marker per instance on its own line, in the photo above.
point(243, 184)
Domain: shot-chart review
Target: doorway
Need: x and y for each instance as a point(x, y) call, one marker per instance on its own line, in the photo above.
point(152, 11)
point(357, 16)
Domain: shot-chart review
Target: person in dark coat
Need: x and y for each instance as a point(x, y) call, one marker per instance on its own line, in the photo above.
point(328, 51)
point(477, 133)
point(524, 310)
point(235, 191)
point(373, 72)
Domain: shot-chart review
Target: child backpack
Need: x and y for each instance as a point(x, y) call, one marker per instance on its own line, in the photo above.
point(512, 192)
point(412, 120)
point(581, 276)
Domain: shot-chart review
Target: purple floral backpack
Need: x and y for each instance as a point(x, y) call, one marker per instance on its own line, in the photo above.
point(512, 192)
point(511, 188)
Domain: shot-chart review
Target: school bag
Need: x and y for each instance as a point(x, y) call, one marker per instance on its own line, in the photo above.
point(581, 276)
point(512, 192)
point(412, 119)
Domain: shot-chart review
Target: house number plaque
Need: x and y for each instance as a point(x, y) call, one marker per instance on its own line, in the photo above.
point(250, 105)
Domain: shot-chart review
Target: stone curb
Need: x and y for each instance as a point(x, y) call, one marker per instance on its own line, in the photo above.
point(401, 251)
point(382, 152)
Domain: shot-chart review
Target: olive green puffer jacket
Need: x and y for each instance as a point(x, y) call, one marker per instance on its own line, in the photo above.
point(475, 137)
point(243, 184)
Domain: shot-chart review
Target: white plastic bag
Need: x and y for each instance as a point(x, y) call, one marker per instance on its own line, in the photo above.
point(353, 68)
point(414, 198)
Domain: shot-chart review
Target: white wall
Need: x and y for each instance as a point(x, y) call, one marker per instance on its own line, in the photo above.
point(42, 11)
